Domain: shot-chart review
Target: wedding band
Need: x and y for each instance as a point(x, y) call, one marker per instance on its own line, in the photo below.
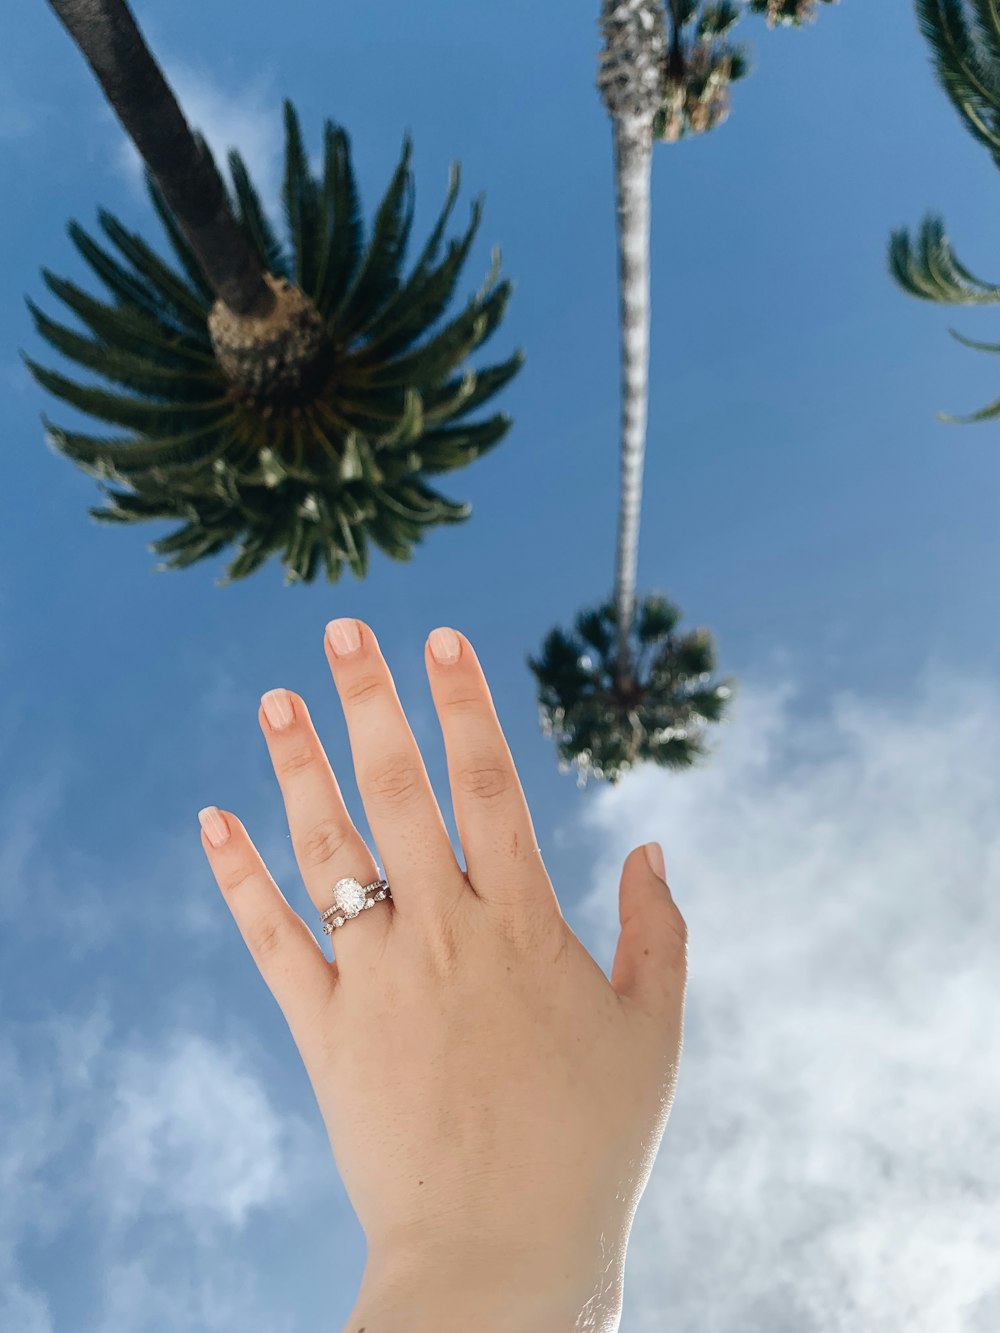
point(350, 899)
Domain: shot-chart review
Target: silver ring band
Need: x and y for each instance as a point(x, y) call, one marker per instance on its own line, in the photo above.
point(350, 899)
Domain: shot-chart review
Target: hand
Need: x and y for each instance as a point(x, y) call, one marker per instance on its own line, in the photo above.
point(493, 1104)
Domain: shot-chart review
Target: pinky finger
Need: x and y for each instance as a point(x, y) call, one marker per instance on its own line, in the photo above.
point(286, 952)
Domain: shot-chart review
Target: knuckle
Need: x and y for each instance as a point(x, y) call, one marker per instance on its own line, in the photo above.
point(323, 841)
point(233, 880)
point(485, 778)
point(674, 946)
point(678, 925)
point(295, 761)
point(538, 934)
point(365, 687)
point(464, 703)
point(393, 779)
point(443, 940)
point(267, 936)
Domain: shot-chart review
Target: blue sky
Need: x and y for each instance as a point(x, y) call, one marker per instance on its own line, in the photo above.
point(829, 1162)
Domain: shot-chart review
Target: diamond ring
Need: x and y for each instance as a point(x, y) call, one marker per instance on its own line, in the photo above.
point(350, 899)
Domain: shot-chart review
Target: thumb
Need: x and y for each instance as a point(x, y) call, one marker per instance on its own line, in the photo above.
point(650, 965)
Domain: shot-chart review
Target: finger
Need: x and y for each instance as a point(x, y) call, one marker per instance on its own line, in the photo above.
point(651, 960)
point(326, 843)
point(285, 950)
point(491, 813)
point(402, 811)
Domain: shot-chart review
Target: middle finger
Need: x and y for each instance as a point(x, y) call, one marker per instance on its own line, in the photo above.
point(326, 843)
point(402, 810)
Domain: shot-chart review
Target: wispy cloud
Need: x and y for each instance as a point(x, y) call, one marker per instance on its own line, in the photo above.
point(27, 1311)
point(214, 1299)
point(191, 1132)
point(831, 1163)
point(24, 819)
point(36, 862)
point(21, 113)
point(179, 1134)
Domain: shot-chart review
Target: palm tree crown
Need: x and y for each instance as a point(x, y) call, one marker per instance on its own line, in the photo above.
point(788, 13)
point(327, 439)
point(664, 704)
point(699, 68)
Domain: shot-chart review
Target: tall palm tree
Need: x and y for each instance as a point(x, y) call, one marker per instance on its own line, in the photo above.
point(966, 52)
point(648, 701)
point(666, 71)
point(278, 400)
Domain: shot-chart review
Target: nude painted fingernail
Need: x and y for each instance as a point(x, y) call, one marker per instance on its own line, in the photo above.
point(344, 636)
point(654, 858)
point(278, 709)
point(216, 828)
point(445, 645)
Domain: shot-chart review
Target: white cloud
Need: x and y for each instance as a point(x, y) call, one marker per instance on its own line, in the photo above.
point(24, 1310)
point(191, 1132)
point(24, 818)
point(178, 1134)
point(36, 865)
point(216, 1299)
point(832, 1162)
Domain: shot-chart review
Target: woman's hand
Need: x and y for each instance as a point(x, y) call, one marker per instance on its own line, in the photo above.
point(493, 1104)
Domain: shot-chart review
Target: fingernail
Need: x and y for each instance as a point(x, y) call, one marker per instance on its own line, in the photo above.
point(445, 645)
point(216, 828)
point(278, 709)
point(344, 636)
point(654, 855)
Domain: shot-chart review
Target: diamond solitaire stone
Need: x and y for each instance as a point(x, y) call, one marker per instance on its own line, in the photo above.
point(349, 896)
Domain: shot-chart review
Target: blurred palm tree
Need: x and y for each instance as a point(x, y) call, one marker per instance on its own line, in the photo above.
point(605, 722)
point(277, 398)
point(666, 72)
point(608, 715)
point(787, 13)
point(965, 42)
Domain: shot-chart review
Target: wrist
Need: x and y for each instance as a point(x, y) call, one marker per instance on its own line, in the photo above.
point(458, 1292)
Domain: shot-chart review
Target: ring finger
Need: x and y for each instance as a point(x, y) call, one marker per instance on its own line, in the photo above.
point(327, 845)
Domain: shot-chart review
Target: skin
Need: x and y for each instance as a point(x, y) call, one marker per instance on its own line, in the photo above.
point(493, 1102)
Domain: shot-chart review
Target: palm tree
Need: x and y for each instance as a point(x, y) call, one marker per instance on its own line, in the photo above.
point(966, 54)
point(607, 717)
point(666, 71)
point(277, 399)
point(788, 13)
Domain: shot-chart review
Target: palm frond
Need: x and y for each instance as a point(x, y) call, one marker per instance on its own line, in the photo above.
point(963, 68)
point(254, 221)
point(926, 266)
point(377, 279)
point(343, 244)
point(301, 199)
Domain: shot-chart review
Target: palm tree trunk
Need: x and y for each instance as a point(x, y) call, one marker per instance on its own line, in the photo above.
point(633, 159)
point(109, 38)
